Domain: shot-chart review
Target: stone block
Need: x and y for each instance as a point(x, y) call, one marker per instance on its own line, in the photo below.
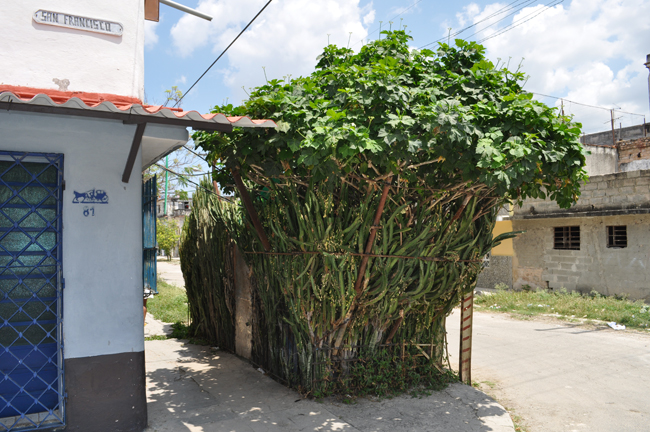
point(642, 188)
point(598, 201)
point(603, 185)
point(568, 266)
point(633, 174)
point(553, 265)
point(589, 186)
point(639, 198)
point(564, 273)
point(629, 182)
point(627, 190)
point(619, 199)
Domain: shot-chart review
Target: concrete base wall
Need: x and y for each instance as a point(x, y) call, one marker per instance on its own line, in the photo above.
point(243, 306)
point(106, 393)
point(609, 271)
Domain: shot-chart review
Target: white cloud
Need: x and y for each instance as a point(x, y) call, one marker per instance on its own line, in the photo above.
point(286, 38)
point(590, 51)
point(182, 80)
point(150, 35)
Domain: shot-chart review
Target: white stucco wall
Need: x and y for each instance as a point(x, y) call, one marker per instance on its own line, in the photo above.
point(34, 54)
point(102, 254)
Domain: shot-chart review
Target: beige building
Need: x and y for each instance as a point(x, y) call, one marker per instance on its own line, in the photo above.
point(601, 243)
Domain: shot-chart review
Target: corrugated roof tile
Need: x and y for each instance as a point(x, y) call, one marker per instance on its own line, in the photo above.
point(115, 103)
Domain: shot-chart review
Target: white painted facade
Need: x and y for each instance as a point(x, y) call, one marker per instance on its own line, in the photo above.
point(102, 254)
point(34, 54)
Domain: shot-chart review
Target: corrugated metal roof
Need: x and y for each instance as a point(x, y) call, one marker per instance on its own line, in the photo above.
point(118, 104)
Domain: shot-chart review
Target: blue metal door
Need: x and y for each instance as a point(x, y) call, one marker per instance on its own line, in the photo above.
point(31, 285)
point(149, 206)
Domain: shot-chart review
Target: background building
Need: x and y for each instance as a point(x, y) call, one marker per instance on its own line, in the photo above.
point(602, 242)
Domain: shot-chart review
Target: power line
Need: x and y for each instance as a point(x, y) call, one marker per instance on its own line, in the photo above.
point(198, 185)
point(193, 152)
point(503, 9)
point(518, 8)
point(587, 105)
point(520, 22)
point(223, 52)
point(548, 5)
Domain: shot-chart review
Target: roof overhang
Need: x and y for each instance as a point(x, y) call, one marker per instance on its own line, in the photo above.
point(159, 141)
point(129, 113)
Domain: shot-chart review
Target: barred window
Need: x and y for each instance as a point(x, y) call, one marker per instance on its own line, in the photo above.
point(567, 237)
point(617, 236)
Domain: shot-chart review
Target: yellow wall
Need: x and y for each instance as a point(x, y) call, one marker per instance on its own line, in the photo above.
point(505, 248)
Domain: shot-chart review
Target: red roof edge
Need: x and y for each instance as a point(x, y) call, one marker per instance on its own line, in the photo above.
point(58, 96)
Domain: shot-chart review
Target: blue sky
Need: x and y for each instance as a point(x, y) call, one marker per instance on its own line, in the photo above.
point(585, 51)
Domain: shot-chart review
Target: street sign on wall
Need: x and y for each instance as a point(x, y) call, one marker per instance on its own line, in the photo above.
point(77, 22)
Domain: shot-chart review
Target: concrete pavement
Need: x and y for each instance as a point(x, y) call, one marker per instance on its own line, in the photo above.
point(154, 327)
point(193, 388)
point(559, 376)
point(170, 272)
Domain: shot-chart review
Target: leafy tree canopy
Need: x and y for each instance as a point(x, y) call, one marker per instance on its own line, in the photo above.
point(434, 119)
point(167, 235)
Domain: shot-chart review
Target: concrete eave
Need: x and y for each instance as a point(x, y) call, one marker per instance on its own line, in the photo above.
point(586, 213)
point(160, 140)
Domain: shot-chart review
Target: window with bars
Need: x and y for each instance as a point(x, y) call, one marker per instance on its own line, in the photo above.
point(567, 238)
point(617, 236)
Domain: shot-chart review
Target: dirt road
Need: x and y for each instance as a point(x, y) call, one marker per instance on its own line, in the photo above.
point(561, 377)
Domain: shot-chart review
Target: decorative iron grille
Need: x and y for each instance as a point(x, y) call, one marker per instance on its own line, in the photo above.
point(567, 237)
point(617, 236)
point(31, 289)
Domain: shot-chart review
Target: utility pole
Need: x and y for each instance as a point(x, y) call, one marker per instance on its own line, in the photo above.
point(613, 128)
point(166, 181)
point(647, 64)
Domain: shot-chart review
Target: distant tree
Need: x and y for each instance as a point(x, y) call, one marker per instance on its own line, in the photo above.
point(182, 161)
point(173, 95)
point(182, 194)
point(167, 235)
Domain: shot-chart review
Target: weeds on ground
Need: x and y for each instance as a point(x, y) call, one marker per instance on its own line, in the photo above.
point(169, 305)
point(517, 421)
point(566, 305)
point(385, 373)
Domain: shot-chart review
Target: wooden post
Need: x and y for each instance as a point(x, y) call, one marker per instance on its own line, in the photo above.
point(215, 185)
point(466, 317)
point(248, 204)
point(371, 239)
